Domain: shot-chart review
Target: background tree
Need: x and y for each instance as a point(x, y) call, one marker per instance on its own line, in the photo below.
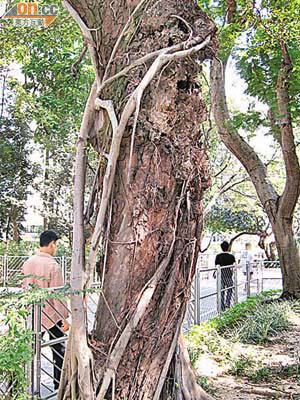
point(231, 205)
point(55, 76)
point(274, 35)
point(16, 168)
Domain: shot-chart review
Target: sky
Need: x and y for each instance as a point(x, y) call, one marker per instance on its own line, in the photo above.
point(235, 91)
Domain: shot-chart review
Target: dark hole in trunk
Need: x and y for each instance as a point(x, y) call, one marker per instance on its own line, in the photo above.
point(170, 42)
point(182, 26)
point(183, 84)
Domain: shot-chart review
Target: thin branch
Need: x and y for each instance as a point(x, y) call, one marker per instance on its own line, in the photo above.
point(136, 115)
point(221, 191)
point(74, 67)
point(3, 92)
point(89, 208)
point(244, 194)
point(106, 243)
point(110, 311)
point(207, 247)
point(86, 31)
point(235, 184)
point(255, 233)
point(167, 363)
point(116, 46)
point(149, 57)
point(221, 171)
point(184, 21)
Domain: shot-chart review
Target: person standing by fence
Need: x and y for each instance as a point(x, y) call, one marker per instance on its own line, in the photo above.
point(42, 270)
point(226, 259)
point(247, 263)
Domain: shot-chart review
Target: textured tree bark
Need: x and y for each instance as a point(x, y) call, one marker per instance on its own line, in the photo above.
point(289, 257)
point(280, 209)
point(153, 224)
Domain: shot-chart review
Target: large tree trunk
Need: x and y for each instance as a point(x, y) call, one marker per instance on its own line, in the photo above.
point(280, 209)
point(150, 214)
point(288, 253)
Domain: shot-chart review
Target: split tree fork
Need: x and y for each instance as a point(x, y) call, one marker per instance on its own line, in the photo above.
point(145, 111)
point(279, 207)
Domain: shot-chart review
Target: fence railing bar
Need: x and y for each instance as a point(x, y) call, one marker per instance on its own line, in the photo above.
point(208, 295)
point(50, 396)
point(47, 373)
point(54, 341)
point(51, 320)
point(49, 389)
point(48, 359)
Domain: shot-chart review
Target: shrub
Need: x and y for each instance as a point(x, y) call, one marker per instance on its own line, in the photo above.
point(233, 316)
point(265, 321)
point(16, 338)
point(15, 349)
point(241, 365)
point(253, 321)
point(205, 338)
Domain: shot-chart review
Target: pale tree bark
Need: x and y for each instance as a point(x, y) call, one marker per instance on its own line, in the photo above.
point(279, 208)
point(143, 118)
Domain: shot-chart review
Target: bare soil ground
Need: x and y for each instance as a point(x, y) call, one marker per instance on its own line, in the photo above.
point(274, 374)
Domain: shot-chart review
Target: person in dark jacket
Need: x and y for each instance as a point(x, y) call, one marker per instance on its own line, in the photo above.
point(226, 259)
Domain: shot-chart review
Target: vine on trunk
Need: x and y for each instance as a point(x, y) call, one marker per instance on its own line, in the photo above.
point(156, 169)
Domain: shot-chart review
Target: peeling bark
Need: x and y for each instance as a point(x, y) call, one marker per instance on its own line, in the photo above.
point(147, 56)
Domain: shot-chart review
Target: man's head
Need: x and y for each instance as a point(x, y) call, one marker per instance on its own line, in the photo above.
point(225, 246)
point(48, 241)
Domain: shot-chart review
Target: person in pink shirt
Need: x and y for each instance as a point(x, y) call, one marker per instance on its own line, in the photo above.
point(44, 272)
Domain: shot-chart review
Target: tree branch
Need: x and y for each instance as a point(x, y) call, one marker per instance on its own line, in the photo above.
point(207, 247)
point(221, 191)
point(255, 233)
point(291, 192)
point(236, 144)
point(74, 67)
point(117, 44)
point(150, 56)
point(87, 35)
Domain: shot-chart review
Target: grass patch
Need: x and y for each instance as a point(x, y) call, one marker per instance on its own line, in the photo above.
point(264, 374)
point(233, 316)
point(241, 365)
point(266, 321)
point(260, 375)
point(228, 342)
point(203, 382)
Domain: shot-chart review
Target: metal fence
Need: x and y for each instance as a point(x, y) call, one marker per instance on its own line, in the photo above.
point(48, 348)
point(11, 269)
point(213, 291)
